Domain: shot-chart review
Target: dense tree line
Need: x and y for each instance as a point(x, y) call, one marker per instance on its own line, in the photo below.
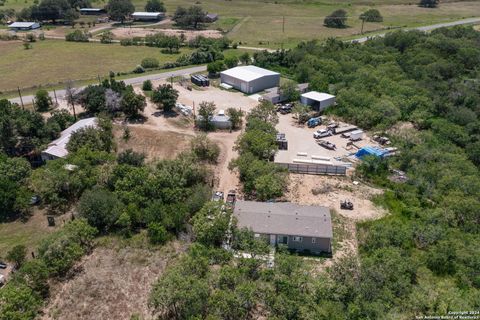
point(428, 242)
point(257, 146)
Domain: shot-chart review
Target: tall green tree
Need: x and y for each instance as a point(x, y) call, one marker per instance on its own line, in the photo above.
point(337, 19)
point(43, 101)
point(165, 97)
point(154, 6)
point(206, 111)
point(132, 104)
point(119, 10)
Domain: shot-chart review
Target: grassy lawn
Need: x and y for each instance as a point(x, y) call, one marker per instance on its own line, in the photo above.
point(28, 233)
point(54, 61)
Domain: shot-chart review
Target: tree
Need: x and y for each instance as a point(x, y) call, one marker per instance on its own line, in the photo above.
point(100, 207)
point(301, 112)
point(236, 117)
point(51, 10)
point(270, 186)
point(118, 10)
point(131, 158)
point(206, 111)
point(191, 17)
point(336, 19)
point(71, 95)
point(154, 6)
point(17, 255)
point(92, 99)
point(132, 104)
point(157, 234)
point(245, 58)
point(290, 91)
point(147, 85)
point(165, 97)
point(210, 224)
point(215, 67)
point(94, 139)
point(43, 101)
point(204, 148)
point(231, 62)
point(371, 15)
point(265, 111)
point(70, 16)
point(428, 3)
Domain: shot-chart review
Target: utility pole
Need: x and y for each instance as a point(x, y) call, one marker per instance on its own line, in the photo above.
point(21, 100)
point(55, 95)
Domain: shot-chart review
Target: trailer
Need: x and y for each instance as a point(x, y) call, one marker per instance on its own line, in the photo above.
point(345, 129)
point(356, 135)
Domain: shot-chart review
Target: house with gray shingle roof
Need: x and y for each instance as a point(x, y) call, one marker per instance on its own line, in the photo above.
point(301, 228)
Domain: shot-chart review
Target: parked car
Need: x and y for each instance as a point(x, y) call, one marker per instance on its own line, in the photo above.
point(34, 200)
point(322, 133)
point(327, 145)
point(332, 125)
point(313, 122)
point(3, 265)
point(231, 197)
point(218, 196)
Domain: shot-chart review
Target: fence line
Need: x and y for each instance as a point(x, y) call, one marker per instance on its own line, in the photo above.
point(320, 169)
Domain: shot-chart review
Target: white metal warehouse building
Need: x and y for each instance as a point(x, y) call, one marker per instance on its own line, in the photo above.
point(319, 101)
point(24, 25)
point(250, 79)
point(147, 16)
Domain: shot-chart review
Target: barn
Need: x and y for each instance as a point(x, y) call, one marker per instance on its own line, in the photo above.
point(319, 101)
point(250, 79)
point(92, 11)
point(18, 26)
point(148, 16)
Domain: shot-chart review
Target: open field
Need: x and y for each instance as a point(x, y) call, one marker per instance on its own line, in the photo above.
point(54, 61)
point(113, 282)
point(28, 233)
point(284, 23)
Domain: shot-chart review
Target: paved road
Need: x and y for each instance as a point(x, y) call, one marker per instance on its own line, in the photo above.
point(424, 28)
point(137, 80)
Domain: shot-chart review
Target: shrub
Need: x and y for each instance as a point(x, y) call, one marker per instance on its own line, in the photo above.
point(204, 148)
point(150, 63)
point(336, 19)
point(139, 69)
point(77, 36)
point(100, 207)
point(147, 85)
point(157, 234)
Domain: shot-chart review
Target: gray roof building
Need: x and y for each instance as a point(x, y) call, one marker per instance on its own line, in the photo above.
point(300, 227)
point(250, 79)
point(24, 25)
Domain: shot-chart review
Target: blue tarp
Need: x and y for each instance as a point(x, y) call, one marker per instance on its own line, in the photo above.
point(371, 151)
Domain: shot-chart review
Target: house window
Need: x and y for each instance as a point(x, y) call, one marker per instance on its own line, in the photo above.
point(297, 239)
point(314, 240)
point(283, 239)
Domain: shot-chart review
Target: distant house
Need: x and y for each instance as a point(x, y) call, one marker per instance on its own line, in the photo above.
point(211, 17)
point(148, 16)
point(274, 96)
point(250, 79)
point(300, 228)
point(92, 11)
point(319, 101)
point(20, 26)
point(58, 148)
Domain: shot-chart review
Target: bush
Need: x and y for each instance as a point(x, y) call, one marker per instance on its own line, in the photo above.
point(336, 19)
point(139, 69)
point(204, 148)
point(147, 85)
point(157, 234)
point(43, 101)
point(150, 63)
point(77, 36)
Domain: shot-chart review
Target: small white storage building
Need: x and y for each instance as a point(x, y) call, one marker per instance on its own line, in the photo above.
point(147, 16)
point(24, 26)
point(58, 148)
point(319, 101)
point(250, 79)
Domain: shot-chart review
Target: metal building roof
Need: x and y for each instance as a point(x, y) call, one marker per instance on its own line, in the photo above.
point(147, 14)
point(91, 9)
point(248, 73)
point(284, 218)
point(58, 147)
point(317, 96)
point(21, 24)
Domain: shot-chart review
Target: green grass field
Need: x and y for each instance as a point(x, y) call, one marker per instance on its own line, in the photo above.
point(260, 23)
point(54, 61)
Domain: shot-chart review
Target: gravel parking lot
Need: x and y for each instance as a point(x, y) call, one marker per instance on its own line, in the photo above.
point(300, 140)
